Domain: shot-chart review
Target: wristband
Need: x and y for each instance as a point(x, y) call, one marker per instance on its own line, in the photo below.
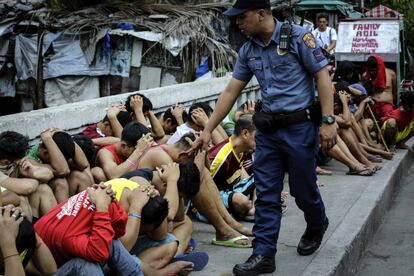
point(132, 163)
point(135, 215)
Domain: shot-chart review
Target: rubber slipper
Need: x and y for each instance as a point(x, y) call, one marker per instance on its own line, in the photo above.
point(191, 246)
point(199, 259)
point(233, 242)
point(364, 172)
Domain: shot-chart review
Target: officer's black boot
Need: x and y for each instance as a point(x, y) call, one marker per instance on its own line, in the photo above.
point(311, 240)
point(256, 265)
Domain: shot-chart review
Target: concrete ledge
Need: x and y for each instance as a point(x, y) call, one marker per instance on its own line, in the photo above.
point(73, 116)
point(343, 249)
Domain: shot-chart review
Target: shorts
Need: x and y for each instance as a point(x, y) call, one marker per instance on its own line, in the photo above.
point(382, 108)
point(401, 135)
point(144, 242)
point(245, 186)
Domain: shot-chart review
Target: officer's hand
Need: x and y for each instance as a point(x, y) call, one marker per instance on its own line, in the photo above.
point(327, 136)
point(201, 142)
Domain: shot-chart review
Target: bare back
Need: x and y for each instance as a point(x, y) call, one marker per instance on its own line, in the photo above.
point(154, 157)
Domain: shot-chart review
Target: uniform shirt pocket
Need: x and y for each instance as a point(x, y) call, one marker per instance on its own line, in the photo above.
point(256, 66)
point(283, 67)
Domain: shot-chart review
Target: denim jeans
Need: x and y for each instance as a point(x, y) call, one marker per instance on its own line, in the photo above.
point(120, 262)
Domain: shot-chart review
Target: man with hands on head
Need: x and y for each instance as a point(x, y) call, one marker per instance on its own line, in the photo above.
point(19, 236)
point(9, 228)
point(122, 157)
point(58, 152)
point(140, 108)
point(83, 232)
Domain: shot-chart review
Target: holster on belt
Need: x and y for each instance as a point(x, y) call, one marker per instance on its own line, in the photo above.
point(270, 122)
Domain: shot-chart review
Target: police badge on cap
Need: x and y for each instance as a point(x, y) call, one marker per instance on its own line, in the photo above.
point(240, 6)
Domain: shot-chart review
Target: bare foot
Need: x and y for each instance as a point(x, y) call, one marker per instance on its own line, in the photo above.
point(388, 155)
point(374, 158)
point(177, 268)
point(403, 146)
point(374, 167)
point(240, 228)
point(322, 171)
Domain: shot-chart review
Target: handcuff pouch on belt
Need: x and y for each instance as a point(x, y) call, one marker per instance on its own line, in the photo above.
point(270, 122)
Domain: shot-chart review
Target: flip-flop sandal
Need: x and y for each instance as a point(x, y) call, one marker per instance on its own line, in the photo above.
point(233, 242)
point(363, 172)
point(191, 246)
point(199, 259)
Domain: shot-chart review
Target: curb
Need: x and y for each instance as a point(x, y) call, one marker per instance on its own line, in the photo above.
point(343, 249)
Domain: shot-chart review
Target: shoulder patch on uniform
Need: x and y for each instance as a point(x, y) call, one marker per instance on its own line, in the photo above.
point(309, 40)
point(318, 54)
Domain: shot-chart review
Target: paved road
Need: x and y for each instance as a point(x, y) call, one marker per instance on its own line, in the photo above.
point(391, 252)
point(340, 192)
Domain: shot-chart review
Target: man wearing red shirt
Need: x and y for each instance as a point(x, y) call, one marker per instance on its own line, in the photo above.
point(83, 232)
point(398, 125)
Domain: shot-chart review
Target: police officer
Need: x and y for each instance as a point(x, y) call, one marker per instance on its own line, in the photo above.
point(287, 138)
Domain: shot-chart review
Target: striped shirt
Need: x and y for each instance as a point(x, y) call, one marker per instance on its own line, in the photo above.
point(225, 165)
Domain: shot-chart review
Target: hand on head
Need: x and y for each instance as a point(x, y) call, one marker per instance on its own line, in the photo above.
point(170, 172)
point(10, 219)
point(136, 103)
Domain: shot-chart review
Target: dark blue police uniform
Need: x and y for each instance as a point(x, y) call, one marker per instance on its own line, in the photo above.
point(286, 80)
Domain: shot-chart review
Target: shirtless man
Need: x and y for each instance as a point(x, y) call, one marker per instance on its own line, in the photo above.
point(207, 201)
point(384, 82)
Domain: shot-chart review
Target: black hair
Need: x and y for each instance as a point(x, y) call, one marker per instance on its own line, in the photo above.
point(26, 240)
point(343, 69)
point(123, 118)
point(342, 86)
point(204, 106)
point(168, 115)
point(189, 182)
point(13, 145)
point(322, 15)
point(65, 144)
point(132, 132)
point(155, 211)
point(372, 62)
point(337, 100)
point(244, 122)
point(407, 99)
point(183, 143)
point(87, 146)
point(147, 104)
point(368, 86)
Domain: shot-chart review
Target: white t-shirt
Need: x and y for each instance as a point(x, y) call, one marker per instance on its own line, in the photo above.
point(180, 132)
point(324, 39)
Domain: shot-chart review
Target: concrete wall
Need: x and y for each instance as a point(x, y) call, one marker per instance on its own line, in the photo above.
point(71, 117)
